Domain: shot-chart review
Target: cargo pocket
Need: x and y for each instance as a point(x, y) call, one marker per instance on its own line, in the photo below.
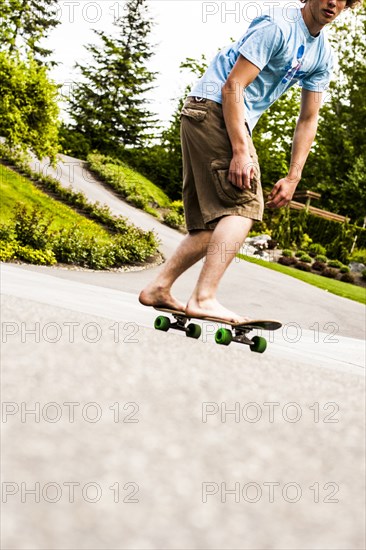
point(228, 192)
point(194, 114)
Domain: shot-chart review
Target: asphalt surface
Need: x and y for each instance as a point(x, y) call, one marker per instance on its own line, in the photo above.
point(141, 439)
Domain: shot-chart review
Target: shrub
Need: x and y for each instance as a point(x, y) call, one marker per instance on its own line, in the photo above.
point(306, 241)
point(303, 266)
point(7, 251)
point(287, 253)
point(272, 244)
point(285, 260)
point(174, 219)
point(305, 258)
point(335, 263)
point(31, 228)
point(299, 253)
point(178, 207)
point(347, 278)
point(7, 232)
point(363, 274)
point(318, 266)
point(344, 269)
point(358, 256)
point(40, 257)
point(316, 249)
point(330, 273)
point(321, 258)
point(137, 199)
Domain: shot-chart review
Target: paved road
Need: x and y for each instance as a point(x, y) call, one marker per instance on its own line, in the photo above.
point(231, 450)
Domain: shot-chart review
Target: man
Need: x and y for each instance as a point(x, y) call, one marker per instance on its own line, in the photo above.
point(222, 193)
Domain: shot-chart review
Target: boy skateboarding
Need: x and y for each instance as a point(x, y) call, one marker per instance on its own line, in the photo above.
point(222, 192)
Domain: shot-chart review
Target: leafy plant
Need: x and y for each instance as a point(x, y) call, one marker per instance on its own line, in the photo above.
point(305, 258)
point(316, 249)
point(348, 278)
point(318, 266)
point(335, 263)
point(320, 258)
point(329, 272)
point(287, 260)
point(303, 266)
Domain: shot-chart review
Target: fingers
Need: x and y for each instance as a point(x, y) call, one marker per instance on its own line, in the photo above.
point(241, 177)
point(278, 197)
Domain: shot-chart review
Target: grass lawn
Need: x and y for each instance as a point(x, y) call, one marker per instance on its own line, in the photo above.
point(132, 186)
point(15, 188)
point(347, 290)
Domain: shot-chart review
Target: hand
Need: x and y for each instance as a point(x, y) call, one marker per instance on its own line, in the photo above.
point(241, 171)
point(281, 193)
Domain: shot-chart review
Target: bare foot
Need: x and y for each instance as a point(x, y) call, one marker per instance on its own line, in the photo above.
point(212, 308)
point(156, 296)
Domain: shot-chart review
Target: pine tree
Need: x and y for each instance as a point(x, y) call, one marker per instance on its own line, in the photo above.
point(108, 105)
point(24, 23)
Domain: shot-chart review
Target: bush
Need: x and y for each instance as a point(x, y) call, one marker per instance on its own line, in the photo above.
point(7, 251)
point(305, 258)
point(318, 266)
point(7, 232)
point(285, 260)
point(316, 249)
point(178, 207)
point(272, 244)
point(287, 253)
point(321, 258)
point(303, 266)
point(306, 241)
point(335, 263)
point(31, 228)
point(13, 250)
point(330, 273)
point(363, 274)
point(348, 278)
point(173, 219)
point(344, 269)
point(358, 256)
point(39, 257)
point(299, 253)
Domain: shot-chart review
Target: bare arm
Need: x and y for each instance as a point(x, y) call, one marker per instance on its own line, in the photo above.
point(241, 169)
point(304, 135)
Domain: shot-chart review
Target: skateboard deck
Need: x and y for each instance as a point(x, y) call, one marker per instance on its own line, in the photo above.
point(223, 336)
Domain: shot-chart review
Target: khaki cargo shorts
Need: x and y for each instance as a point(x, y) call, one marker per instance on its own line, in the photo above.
point(208, 195)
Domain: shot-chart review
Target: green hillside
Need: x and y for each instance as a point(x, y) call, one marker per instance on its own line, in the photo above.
point(37, 228)
point(18, 189)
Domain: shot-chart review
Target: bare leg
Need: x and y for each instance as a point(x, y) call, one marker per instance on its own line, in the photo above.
point(192, 249)
point(225, 242)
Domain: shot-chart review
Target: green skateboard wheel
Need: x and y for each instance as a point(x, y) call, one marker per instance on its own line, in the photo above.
point(259, 344)
point(193, 331)
point(162, 323)
point(223, 336)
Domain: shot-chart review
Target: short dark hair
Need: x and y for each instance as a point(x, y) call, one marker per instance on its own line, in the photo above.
point(350, 3)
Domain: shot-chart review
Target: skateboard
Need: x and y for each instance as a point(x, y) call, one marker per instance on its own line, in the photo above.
point(224, 336)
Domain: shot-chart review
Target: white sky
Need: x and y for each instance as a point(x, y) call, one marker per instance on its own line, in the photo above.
point(184, 28)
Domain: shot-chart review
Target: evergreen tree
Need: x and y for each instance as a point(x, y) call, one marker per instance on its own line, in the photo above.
point(108, 105)
point(24, 23)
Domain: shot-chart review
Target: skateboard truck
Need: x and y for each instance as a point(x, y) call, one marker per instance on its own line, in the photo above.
point(223, 336)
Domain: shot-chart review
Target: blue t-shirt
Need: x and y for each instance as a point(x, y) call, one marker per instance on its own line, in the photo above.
point(281, 46)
